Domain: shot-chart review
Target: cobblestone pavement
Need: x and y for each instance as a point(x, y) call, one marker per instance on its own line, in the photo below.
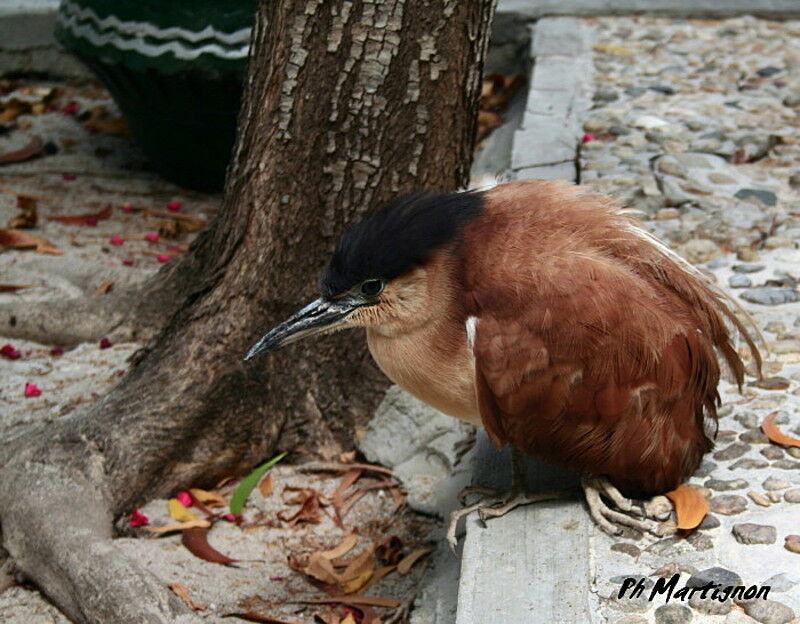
point(697, 125)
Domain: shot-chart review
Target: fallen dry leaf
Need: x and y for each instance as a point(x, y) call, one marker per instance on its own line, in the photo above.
point(100, 120)
point(104, 288)
point(344, 547)
point(372, 601)
point(772, 431)
point(179, 512)
point(265, 485)
point(82, 219)
point(310, 502)
point(404, 567)
point(14, 287)
point(252, 616)
point(17, 239)
point(209, 499)
point(182, 592)
point(196, 542)
point(690, 506)
point(349, 619)
point(181, 526)
point(28, 216)
point(33, 149)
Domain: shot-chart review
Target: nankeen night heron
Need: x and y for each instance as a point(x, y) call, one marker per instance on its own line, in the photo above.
point(544, 313)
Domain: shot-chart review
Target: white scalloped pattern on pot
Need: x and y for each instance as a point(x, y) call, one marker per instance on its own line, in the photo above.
point(84, 23)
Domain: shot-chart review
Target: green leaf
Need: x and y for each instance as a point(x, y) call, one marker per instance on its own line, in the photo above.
point(247, 484)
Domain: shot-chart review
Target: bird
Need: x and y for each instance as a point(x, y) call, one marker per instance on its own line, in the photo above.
point(545, 313)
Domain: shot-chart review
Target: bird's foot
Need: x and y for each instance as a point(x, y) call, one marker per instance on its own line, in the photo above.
point(493, 504)
point(655, 512)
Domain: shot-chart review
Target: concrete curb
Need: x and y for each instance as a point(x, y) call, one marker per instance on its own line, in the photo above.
point(533, 564)
point(27, 44)
point(767, 9)
point(545, 146)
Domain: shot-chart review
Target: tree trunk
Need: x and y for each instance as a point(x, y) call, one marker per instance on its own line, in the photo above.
point(348, 103)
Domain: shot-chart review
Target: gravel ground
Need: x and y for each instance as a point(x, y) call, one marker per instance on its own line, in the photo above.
point(695, 124)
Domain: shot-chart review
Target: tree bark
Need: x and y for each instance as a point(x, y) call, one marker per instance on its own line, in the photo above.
point(348, 103)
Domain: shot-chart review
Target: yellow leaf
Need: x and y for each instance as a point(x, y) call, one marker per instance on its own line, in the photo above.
point(209, 499)
point(178, 512)
point(192, 524)
point(354, 584)
point(690, 506)
point(265, 486)
point(348, 620)
point(612, 48)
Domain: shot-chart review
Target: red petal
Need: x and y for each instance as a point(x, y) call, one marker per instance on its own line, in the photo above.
point(163, 257)
point(174, 206)
point(138, 519)
point(116, 240)
point(184, 498)
point(588, 138)
point(32, 390)
point(152, 237)
point(8, 351)
point(105, 343)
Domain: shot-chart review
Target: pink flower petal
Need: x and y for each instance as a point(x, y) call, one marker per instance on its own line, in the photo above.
point(8, 351)
point(588, 138)
point(174, 206)
point(32, 390)
point(57, 350)
point(152, 237)
point(91, 221)
point(127, 262)
point(163, 257)
point(69, 177)
point(116, 240)
point(70, 109)
point(126, 208)
point(138, 519)
point(277, 578)
point(232, 518)
point(184, 498)
point(105, 343)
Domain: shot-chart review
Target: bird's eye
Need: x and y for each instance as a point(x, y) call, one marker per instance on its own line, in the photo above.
point(371, 287)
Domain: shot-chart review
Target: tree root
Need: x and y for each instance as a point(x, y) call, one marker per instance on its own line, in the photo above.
point(58, 531)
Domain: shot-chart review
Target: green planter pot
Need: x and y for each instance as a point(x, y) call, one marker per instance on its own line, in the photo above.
point(175, 68)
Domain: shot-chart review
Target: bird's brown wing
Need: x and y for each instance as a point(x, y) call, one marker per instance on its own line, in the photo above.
point(587, 363)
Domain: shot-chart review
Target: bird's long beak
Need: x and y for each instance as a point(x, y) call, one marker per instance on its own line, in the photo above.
point(317, 317)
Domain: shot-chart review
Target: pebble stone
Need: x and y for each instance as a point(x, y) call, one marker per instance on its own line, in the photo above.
point(709, 522)
point(772, 453)
point(768, 611)
point(760, 498)
point(723, 485)
point(673, 613)
point(734, 451)
point(749, 463)
point(751, 533)
point(739, 281)
point(792, 543)
point(782, 582)
point(792, 496)
point(747, 267)
point(770, 296)
point(728, 504)
point(716, 574)
point(774, 483)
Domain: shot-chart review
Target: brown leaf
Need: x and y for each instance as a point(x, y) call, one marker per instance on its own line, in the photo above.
point(210, 499)
point(28, 217)
point(182, 592)
point(82, 219)
point(321, 569)
point(14, 287)
point(104, 288)
point(372, 601)
point(252, 616)
point(181, 526)
point(775, 434)
point(265, 486)
point(196, 542)
point(361, 563)
point(690, 506)
point(33, 149)
point(404, 567)
point(310, 502)
point(17, 239)
point(100, 120)
point(344, 547)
